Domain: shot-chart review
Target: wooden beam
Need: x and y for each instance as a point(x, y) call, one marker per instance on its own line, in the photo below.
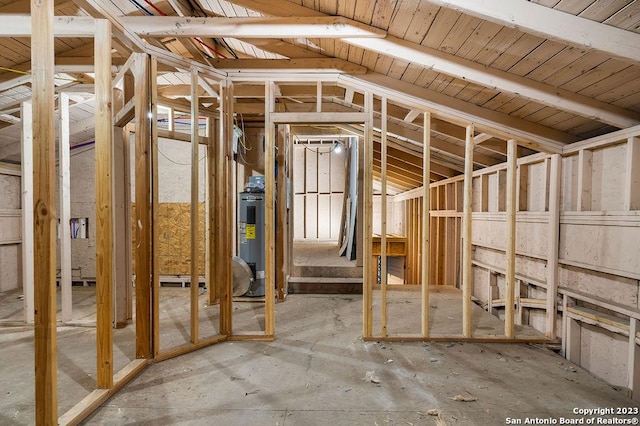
point(319, 117)
point(510, 276)
point(426, 223)
point(222, 214)
point(383, 219)
point(467, 273)
point(16, 25)
point(290, 65)
point(553, 25)
point(367, 209)
point(281, 232)
point(143, 209)
point(555, 188)
point(65, 208)
point(459, 112)
point(269, 209)
point(104, 205)
point(254, 27)
point(195, 164)
point(27, 210)
point(494, 78)
point(155, 204)
point(44, 216)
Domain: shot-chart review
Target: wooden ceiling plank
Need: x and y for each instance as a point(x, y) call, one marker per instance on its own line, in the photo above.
point(551, 24)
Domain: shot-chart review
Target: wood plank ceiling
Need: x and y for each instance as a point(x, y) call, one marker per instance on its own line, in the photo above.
point(536, 83)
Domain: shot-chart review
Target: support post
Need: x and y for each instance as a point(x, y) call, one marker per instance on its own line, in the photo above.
point(44, 211)
point(104, 205)
point(143, 209)
point(155, 204)
point(367, 208)
point(467, 276)
point(383, 221)
point(27, 210)
point(269, 211)
point(223, 264)
point(212, 237)
point(510, 276)
point(64, 180)
point(633, 364)
point(555, 183)
point(426, 221)
point(281, 234)
point(195, 275)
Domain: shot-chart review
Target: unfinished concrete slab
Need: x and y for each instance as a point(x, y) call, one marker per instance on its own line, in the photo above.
point(313, 374)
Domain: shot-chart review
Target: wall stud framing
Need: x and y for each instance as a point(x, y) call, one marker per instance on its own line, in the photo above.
point(27, 210)
point(632, 181)
point(383, 222)
point(155, 203)
point(426, 221)
point(555, 184)
point(510, 276)
point(269, 210)
point(195, 149)
point(367, 225)
point(44, 207)
point(104, 204)
point(467, 273)
point(282, 234)
point(65, 208)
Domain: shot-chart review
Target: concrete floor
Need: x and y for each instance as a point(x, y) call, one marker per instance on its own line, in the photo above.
point(312, 374)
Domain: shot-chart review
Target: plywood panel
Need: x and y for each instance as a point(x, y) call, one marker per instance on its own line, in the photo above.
point(324, 216)
point(311, 170)
point(338, 170)
point(9, 228)
point(569, 193)
point(536, 187)
point(299, 169)
point(336, 214)
point(311, 216)
point(324, 170)
point(299, 216)
point(609, 287)
point(612, 247)
point(9, 267)
point(10, 192)
point(608, 178)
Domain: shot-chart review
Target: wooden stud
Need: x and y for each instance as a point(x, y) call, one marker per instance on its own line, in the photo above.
point(632, 180)
point(222, 262)
point(155, 204)
point(104, 205)
point(269, 210)
point(27, 209)
point(195, 148)
point(367, 225)
point(585, 158)
point(510, 276)
point(229, 197)
point(121, 228)
point(281, 234)
point(65, 208)
point(426, 222)
point(383, 222)
point(319, 96)
point(212, 237)
point(633, 363)
point(44, 208)
point(555, 185)
point(467, 273)
point(143, 209)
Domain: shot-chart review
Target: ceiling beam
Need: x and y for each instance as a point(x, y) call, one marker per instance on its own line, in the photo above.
point(290, 65)
point(18, 25)
point(499, 80)
point(468, 70)
point(552, 24)
point(457, 111)
point(254, 27)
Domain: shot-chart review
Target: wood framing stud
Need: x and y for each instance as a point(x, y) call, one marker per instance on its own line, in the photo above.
point(510, 276)
point(27, 210)
point(555, 185)
point(426, 222)
point(467, 273)
point(104, 205)
point(269, 210)
point(195, 247)
point(44, 212)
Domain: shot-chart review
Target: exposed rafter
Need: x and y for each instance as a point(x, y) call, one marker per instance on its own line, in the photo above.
point(271, 27)
point(552, 24)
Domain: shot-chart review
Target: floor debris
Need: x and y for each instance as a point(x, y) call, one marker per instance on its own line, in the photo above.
point(371, 377)
point(464, 398)
point(433, 412)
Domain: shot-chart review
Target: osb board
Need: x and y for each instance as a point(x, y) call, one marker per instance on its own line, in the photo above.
point(11, 191)
point(623, 291)
point(531, 238)
point(174, 234)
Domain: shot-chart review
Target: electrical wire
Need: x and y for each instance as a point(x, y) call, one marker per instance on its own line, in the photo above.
point(141, 7)
point(155, 8)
